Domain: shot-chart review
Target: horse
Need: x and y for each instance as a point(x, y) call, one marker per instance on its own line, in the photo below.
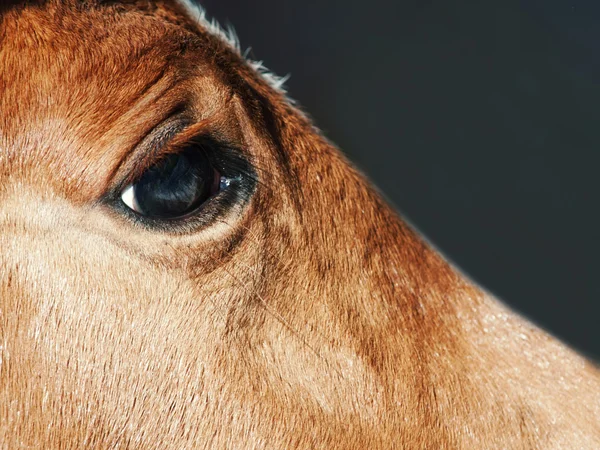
point(188, 263)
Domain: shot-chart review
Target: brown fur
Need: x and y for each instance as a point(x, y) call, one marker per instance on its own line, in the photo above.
point(311, 317)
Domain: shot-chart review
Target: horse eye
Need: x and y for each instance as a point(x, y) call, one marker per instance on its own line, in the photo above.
point(174, 187)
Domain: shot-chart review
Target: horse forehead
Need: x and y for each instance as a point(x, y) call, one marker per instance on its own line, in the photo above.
point(67, 76)
point(77, 65)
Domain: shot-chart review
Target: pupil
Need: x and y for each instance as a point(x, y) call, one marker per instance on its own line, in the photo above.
point(175, 186)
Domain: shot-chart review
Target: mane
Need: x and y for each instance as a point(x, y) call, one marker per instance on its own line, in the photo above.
point(230, 38)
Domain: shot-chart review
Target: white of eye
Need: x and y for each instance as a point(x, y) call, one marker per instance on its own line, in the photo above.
point(128, 197)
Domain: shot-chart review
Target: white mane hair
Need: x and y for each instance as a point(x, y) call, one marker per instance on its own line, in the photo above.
point(229, 36)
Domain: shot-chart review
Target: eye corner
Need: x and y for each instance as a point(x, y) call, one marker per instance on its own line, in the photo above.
point(128, 198)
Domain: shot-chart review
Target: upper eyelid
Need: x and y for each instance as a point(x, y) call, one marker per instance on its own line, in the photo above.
point(137, 162)
point(156, 143)
point(153, 137)
point(151, 153)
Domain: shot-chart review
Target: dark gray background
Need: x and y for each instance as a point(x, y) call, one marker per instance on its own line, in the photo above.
point(478, 119)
